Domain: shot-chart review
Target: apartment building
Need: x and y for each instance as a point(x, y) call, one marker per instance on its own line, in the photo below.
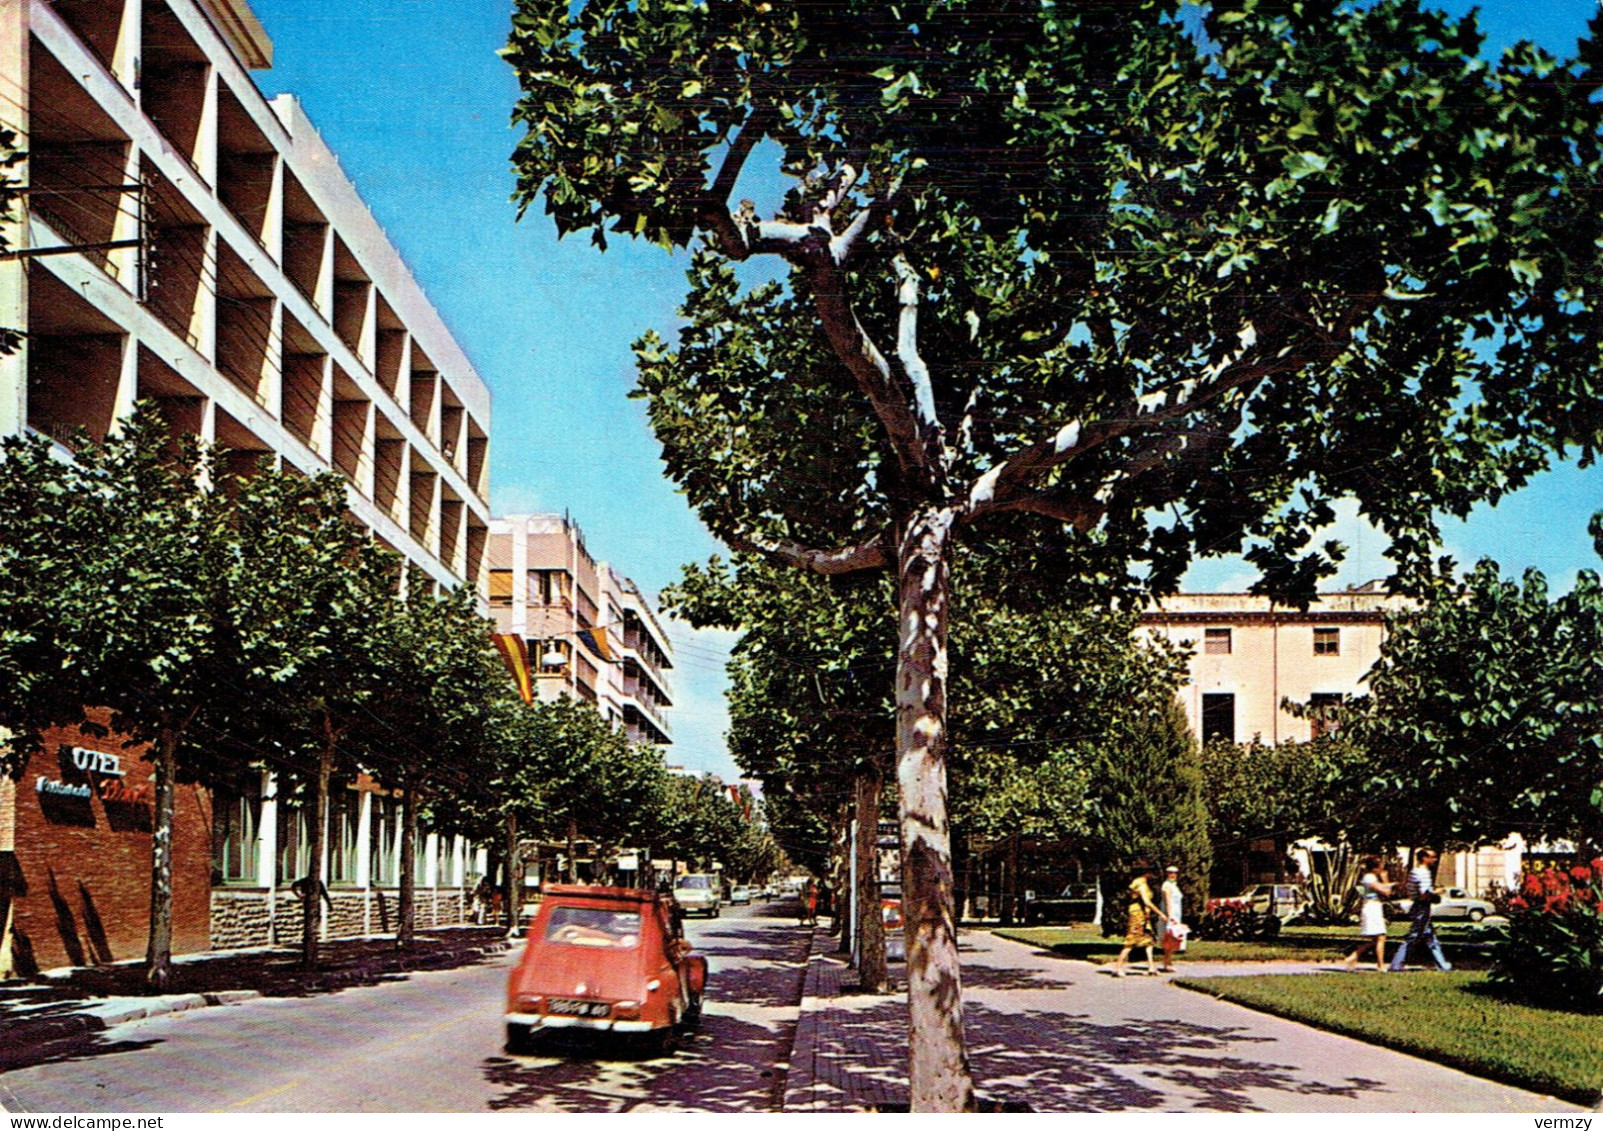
point(590, 632)
point(1249, 656)
point(185, 239)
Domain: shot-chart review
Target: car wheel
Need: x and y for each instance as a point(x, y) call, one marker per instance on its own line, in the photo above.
point(1476, 914)
point(520, 1040)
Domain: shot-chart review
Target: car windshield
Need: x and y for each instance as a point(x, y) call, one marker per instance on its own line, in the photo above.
point(701, 882)
point(592, 926)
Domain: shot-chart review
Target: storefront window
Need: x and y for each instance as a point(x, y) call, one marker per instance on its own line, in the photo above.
point(236, 821)
point(292, 845)
point(382, 837)
point(344, 817)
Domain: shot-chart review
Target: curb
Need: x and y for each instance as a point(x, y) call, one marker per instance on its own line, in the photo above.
point(24, 1038)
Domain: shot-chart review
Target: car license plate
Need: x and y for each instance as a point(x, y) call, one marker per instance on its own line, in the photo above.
point(577, 1008)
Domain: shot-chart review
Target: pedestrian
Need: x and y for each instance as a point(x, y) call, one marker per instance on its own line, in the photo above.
point(1172, 901)
point(1140, 910)
point(809, 904)
point(1372, 894)
point(1422, 890)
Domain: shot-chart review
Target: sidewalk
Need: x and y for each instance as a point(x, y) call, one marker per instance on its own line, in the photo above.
point(1051, 1034)
point(50, 1018)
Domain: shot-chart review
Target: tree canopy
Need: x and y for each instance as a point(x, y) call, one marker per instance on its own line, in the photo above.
point(1112, 285)
point(1484, 715)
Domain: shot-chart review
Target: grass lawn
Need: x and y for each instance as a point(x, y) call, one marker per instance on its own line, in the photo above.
point(1307, 944)
point(1454, 1019)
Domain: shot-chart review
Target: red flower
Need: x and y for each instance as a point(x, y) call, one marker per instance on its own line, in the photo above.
point(1581, 874)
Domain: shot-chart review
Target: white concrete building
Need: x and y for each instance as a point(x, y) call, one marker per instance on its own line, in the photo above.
point(185, 239)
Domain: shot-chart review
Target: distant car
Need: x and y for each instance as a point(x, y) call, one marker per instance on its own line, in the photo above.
point(604, 959)
point(740, 893)
point(698, 894)
point(1456, 903)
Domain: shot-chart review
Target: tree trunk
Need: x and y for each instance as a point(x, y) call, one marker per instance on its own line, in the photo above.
point(513, 879)
point(873, 977)
point(840, 878)
point(938, 1069)
point(316, 837)
point(406, 919)
point(572, 870)
point(164, 773)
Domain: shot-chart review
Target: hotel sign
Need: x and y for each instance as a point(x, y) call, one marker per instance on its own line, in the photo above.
point(95, 763)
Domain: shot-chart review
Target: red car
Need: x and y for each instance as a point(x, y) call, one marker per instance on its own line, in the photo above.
point(609, 959)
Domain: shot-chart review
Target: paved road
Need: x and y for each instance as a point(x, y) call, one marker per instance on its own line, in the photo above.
point(432, 1042)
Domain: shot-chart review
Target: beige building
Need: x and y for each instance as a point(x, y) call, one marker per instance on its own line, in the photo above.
point(590, 632)
point(1249, 657)
point(182, 238)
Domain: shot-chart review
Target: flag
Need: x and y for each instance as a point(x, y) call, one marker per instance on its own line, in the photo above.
point(515, 651)
point(596, 640)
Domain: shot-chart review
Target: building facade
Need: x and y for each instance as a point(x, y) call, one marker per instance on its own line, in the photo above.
point(186, 240)
point(590, 632)
point(1249, 657)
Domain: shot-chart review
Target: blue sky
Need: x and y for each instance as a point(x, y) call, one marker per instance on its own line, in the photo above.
point(412, 97)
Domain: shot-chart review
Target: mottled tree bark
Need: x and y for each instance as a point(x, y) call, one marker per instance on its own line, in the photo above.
point(164, 774)
point(316, 837)
point(873, 975)
point(938, 1069)
point(513, 879)
point(406, 925)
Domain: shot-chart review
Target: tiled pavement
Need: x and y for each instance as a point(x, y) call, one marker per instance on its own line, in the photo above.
point(1049, 1034)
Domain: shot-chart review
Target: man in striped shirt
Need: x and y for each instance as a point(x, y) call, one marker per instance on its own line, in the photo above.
point(1421, 889)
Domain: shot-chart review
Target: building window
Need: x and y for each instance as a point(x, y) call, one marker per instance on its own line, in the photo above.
point(1216, 641)
point(236, 824)
point(1219, 717)
point(344, 819)
point(1327, 641)
point(501, 588)
point(292, 845)
point(382, 841)
point(1322, 703)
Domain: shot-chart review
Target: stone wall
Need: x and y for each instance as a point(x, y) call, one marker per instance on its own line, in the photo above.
point(240, 917)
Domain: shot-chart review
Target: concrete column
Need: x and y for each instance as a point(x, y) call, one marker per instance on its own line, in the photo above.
point(13, 276)
point(267, 848)
point(206, 144)
point(273, 226)
point(130, 45)
point(364, 858)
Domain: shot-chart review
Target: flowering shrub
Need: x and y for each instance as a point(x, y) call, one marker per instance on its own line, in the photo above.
point(1233, 919)
point(1552, 948)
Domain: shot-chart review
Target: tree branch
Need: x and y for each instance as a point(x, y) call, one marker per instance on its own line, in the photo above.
point(1247, 366)
point(873, 554)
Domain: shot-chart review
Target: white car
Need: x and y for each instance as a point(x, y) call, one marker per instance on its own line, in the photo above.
point(698, 894)
point(740, 893)
point(1456, 903)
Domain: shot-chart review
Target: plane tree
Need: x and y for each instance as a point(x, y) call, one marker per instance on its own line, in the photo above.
point(1111, 285)
point(1483, 715)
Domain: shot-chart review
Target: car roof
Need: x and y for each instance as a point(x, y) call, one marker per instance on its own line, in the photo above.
point(588, 892)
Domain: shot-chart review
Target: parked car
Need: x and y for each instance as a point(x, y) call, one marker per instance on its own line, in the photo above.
point(1283, 901)
point(739, 894)
point(1456, 903)
point(604, 959)
point(698, 894)
point(1075, 904)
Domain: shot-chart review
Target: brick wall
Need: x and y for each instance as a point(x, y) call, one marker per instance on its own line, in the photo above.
point(81, 881)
